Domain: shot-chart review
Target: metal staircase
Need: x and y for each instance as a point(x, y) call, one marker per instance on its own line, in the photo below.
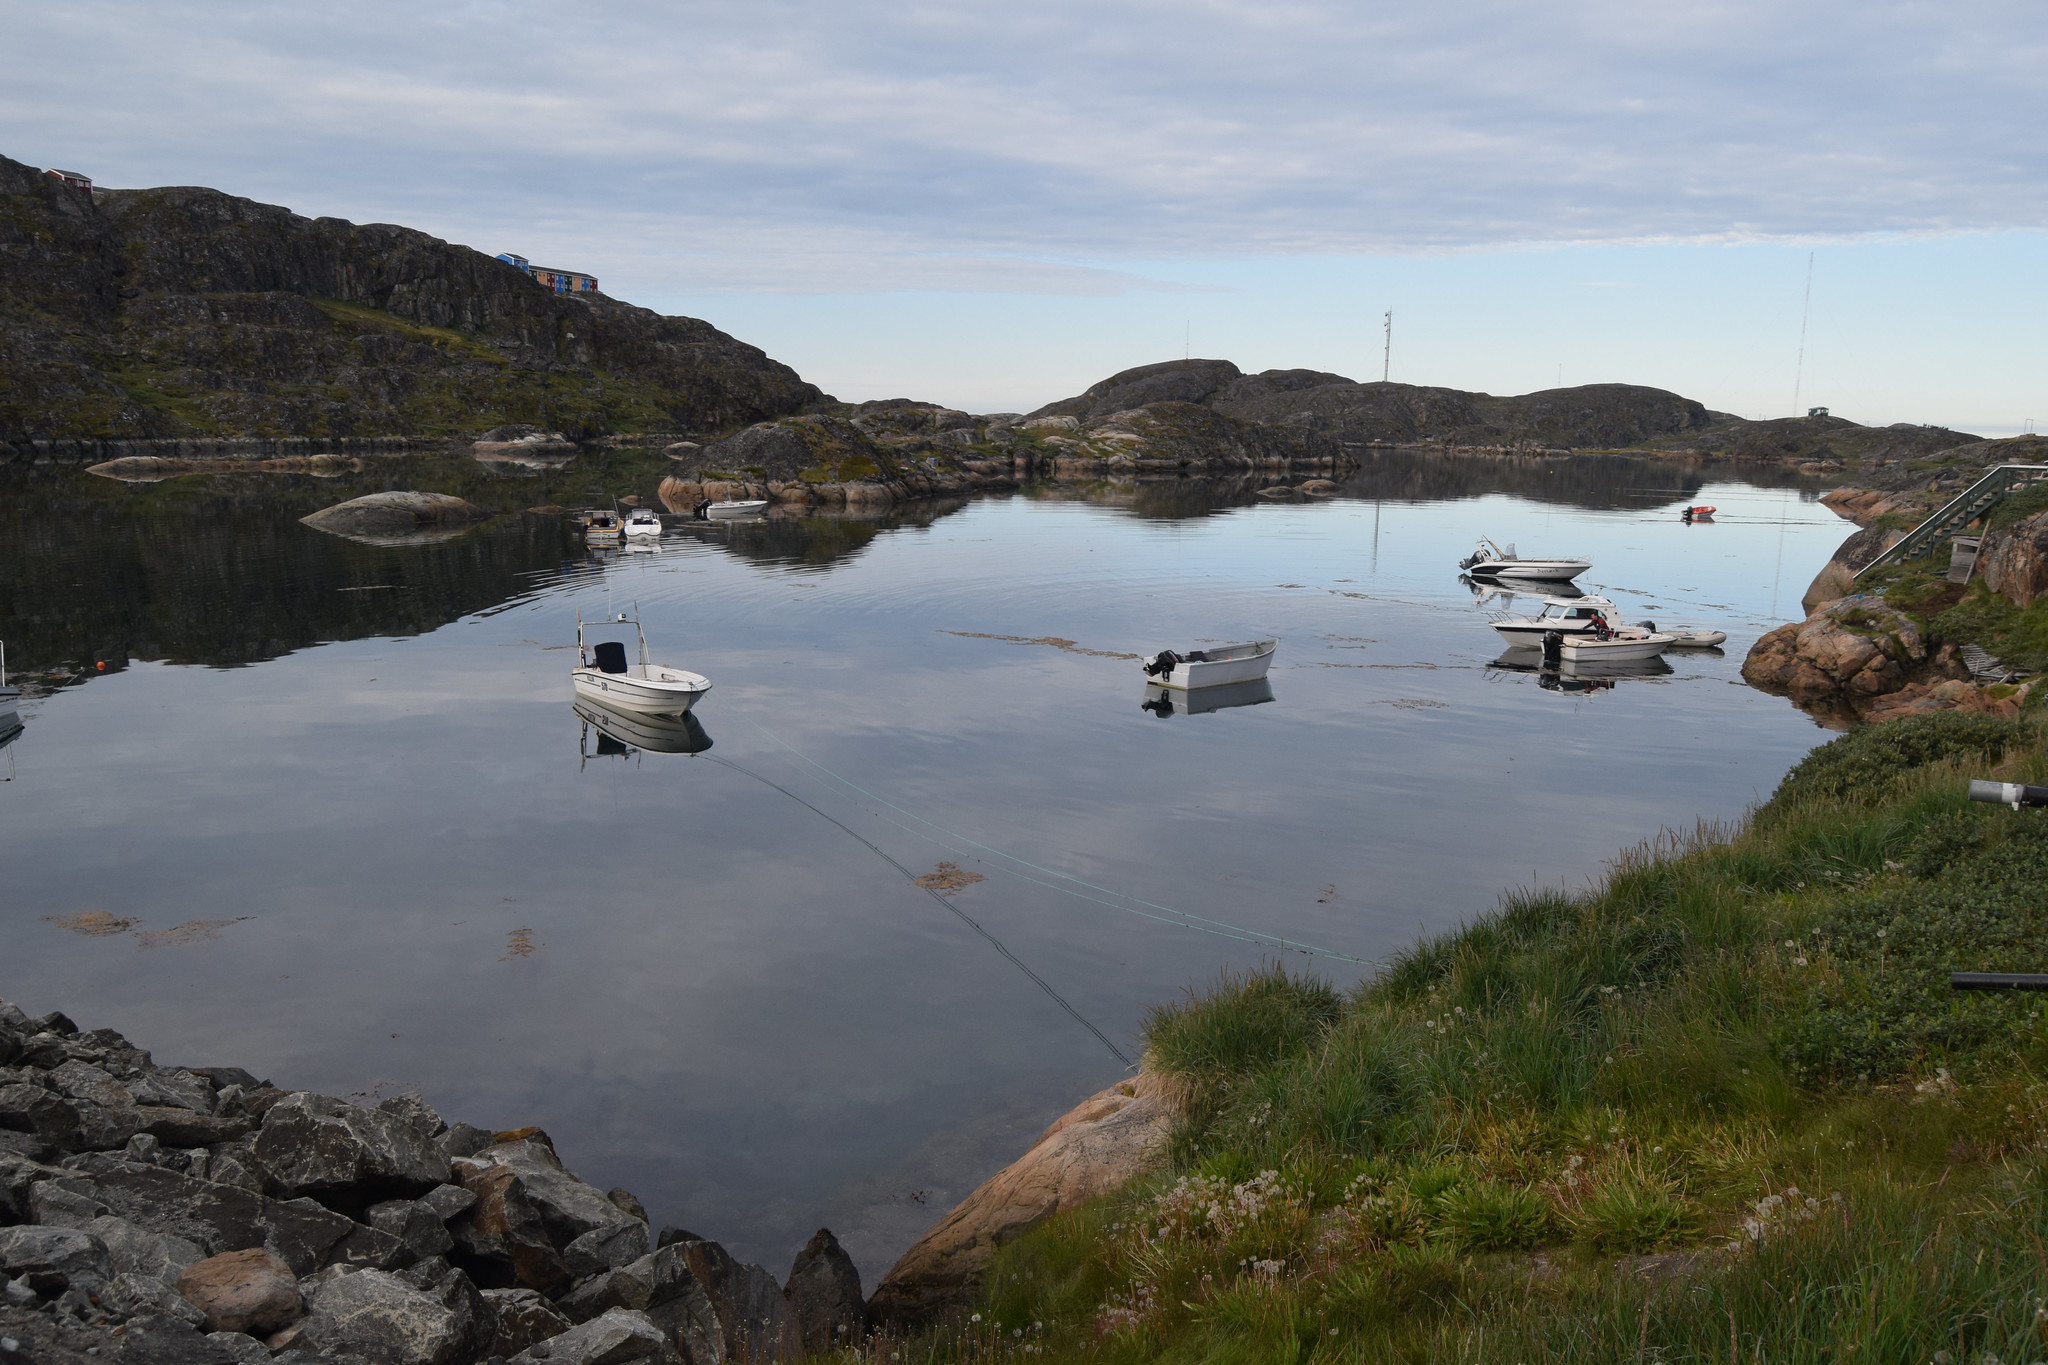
point(1973, 502)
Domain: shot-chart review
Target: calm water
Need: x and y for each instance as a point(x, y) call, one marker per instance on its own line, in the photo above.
point(367, 845)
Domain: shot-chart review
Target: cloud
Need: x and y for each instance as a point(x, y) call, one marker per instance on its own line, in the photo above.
point(1040, 145)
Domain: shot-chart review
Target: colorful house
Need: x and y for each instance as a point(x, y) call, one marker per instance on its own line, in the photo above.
point(71, 178)
point(561, 281)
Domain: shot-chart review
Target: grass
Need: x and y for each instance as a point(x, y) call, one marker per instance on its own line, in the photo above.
point(1721, 1106)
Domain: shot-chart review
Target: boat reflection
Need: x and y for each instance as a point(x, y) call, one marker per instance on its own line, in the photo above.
point(1494, 594)
point(620, 735)
point(1172, 701)
point(1578, 678)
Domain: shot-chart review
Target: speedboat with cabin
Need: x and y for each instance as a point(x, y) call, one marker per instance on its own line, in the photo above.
point(602, 528)
point(1491, 561)
point(1565, 615)
point(604, 675)
point(1212, 667)
point(642, 521)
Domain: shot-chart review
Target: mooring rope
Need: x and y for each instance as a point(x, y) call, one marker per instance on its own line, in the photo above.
point(962, 915)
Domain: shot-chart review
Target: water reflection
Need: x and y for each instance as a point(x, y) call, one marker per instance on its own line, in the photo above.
point(1575, 677)
point(1171, 701)
point(619, 734)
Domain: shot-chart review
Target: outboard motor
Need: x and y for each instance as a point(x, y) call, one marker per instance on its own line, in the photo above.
point(698, 511)
point(1553, 647)
point(1468, 561)
point(1650, 626)
point(1162, 664)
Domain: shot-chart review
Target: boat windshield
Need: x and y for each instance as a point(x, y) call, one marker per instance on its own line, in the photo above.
point(1557, 611)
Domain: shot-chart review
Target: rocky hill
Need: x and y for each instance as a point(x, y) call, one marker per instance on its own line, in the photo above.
point(188, 312)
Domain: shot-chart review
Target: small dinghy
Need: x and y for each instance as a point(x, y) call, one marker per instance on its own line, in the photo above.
point(642, 521)
point(653, 689)
point(1693, 514)
point(1685, 637)
point(1212, 667)
point(1622, 646)
point(1490, 561)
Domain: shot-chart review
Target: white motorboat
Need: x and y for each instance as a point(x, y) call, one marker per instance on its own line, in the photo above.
point(1212, 667)
point(1491, 561)
point(737, 507)
point(1622, 646)
point(642, 521)
point(602, 527)
point(604, 675)
point(1565, 615)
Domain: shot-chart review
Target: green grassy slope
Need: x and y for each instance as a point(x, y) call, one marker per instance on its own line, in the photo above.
point(1722, 1107)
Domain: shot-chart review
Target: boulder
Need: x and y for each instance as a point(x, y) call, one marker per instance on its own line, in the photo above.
point(1837, 578)
point(385, 1320)
point(1950, 694)
point(2013, 560)
point(1857, 648)
point(51, 1117)
point(662, 1285)
point(415, 1223)
point(618, 1336)
point(159, 1339)
point(141, 1252)
point(754, 1321)
point(606, 1248)
point(250, 1291)
point(824, 1296)
point(395, 513)
point(519, 1318)
point(530, 1210)
point(49, 1259)
point(1089, 1151)
point(214, 1216)
point(346, 1156)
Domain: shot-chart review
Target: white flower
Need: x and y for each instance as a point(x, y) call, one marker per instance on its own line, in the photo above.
point(1799, 962)
point(975, 1318)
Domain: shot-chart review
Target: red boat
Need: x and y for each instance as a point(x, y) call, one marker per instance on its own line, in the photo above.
point(1692, 514)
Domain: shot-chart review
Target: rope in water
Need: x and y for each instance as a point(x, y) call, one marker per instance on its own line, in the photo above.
point(1168, 915)
point(911, 877)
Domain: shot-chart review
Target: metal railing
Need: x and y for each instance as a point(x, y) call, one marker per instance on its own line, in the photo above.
point(1968, 505)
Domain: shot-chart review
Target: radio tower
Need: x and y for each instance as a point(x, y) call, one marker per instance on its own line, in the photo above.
point(1387, 351)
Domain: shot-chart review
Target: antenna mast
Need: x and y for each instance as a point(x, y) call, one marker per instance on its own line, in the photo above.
point(1387, 352)
point(1799, 370)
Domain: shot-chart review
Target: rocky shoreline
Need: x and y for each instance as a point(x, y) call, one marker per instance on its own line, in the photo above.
point(168, 1215)
point(172, 1215)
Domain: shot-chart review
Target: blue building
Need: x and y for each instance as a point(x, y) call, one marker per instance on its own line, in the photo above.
point(561, 281)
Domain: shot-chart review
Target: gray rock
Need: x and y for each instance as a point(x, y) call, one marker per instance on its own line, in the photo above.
point(57, 1022)
point(180, 1127)
point(175, 1089)
point(415, 1111)
point(529, 1210)
point(52, 1205)
point(371, 1249)
point(618, 1336)
point(243, 1349)
point(51, 1117)
point(215, 1216)
point(44, 1050)
point(448, 1201)
point(464, 1139)
point(520, 1318)
point(49, 1258)
point(425, 1274)
point(824, 1295)
point(662, 1285)
point(607, 1248)
point(385, 1320)
point(135, 1250)
point(630, 1202)
point(156, 1339)
point(18, 1294)
point(415, 1223)
point(754, 1320)
point(221, 1077)
point(394, 513)
point(343, 1155)
point(146, 1149)
point(131, 1296)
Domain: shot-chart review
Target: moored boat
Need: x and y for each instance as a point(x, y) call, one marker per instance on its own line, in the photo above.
point(1491, 561)
point(1565, 615)
point(602, 527)
point(604, 675)
point(642, 521)
point(1622, 646)
point(1212, 667)
point(736, 507)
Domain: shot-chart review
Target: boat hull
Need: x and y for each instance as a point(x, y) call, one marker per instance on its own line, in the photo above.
point(670, 695)
point(1620, 649)
point(1190, 674)
point(751, 508)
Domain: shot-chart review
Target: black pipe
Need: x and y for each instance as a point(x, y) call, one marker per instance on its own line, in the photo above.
point(1998, 981)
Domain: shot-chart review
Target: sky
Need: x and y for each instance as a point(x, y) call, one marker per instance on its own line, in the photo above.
point(1762, 204)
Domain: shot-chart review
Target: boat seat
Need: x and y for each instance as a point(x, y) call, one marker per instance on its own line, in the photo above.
point(611, 656)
